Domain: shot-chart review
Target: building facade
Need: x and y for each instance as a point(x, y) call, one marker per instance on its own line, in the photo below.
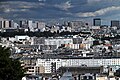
point(47, 64)
point(58, 41)
point(115, 23)
point(97, 22)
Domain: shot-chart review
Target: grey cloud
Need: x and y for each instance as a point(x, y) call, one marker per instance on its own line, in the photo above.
point(55, 9)
point(64, 6)
point(99, 12)
point(90, 1)
point(11, 6)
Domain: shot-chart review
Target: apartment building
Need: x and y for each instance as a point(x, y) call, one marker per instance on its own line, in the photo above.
point(58, 41)
point(47, 64)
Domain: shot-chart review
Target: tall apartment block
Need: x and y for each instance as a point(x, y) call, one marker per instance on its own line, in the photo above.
point(115, 23)
point(97, 22)
point(6, 24)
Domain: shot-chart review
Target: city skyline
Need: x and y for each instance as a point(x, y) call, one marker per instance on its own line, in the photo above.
point(60, 9)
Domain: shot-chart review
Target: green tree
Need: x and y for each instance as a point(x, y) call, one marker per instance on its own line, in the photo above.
point(10, 69)
point(117, 73)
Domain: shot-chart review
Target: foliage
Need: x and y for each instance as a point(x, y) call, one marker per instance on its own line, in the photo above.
point(117, 73)
point(10, 69)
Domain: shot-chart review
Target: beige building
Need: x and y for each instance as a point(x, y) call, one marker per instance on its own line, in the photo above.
point(76, 25)
point(40, 25)
point(39, 69)
point(101, 77)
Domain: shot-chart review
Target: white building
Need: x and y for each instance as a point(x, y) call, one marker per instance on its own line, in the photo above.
point(24, 39)
point(30, 25)
point(114, 63)
point(6, 24)
point(15, 25)
point(19, 38)
point(40, 25)
point(58, 41)
point(45, 64)
point(88, 42)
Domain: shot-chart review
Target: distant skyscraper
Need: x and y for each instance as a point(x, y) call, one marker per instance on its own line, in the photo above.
point(97, 22)
point(1, 24)
point(40, 25)
point(26, 24)
point(15, 25)
point(23, 24)
point(30, 24)
point(6, 24)
point(115, 23)
point(76, 25)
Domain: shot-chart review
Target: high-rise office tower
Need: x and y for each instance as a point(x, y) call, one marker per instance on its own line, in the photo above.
point(30, 24)
point(97, 22)
point(115, 23)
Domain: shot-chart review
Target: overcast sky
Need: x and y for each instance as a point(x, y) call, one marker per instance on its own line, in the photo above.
point(60, 9)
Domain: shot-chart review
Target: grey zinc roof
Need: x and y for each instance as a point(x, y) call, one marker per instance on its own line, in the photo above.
point(67, 76)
